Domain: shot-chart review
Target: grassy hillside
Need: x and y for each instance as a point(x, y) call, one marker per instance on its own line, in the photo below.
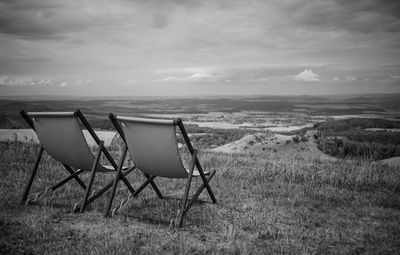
point(274, 204)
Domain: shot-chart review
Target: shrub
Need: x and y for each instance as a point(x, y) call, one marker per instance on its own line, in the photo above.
point(303, 139)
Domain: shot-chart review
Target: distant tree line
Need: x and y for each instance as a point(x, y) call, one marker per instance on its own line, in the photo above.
point(338, 147)
point(332, 125)
point(348, 138)
point(204, 137)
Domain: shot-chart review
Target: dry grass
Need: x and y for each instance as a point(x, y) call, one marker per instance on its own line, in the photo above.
point(269, 203)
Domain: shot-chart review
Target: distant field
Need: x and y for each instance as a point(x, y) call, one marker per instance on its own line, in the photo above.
point(226, 120)
point(28, 135)
point(383, 129)
point(268, 108)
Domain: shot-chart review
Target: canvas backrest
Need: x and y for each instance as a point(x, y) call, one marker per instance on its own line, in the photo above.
point(61, 136)
point(153, 146)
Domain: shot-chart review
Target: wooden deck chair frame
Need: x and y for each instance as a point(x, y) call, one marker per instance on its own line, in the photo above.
point(186, 204)
point(28, 116)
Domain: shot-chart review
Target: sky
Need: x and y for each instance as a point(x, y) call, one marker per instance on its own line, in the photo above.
point(202, 47)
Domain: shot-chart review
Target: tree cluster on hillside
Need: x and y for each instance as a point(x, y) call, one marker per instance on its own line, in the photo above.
point(382, 137)
point(332, 125)
point(348, 138)
point(204, 137)
point(349, 149)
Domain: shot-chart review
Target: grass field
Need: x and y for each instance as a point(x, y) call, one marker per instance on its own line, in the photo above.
point(271, 203)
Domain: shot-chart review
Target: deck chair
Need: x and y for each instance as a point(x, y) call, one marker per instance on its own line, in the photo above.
point(60, 135)
point(153, 147)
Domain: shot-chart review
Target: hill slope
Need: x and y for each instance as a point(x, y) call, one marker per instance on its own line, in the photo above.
point(279, 203)
point(262, 143)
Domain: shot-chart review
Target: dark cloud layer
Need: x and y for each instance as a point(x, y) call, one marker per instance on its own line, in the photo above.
point(212, 41)
point(23, 18)
point(358, 16)
point(47, 19)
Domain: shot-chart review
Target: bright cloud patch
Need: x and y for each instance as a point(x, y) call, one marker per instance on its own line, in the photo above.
point(307, 75)
point(395, 77)
point(193, 77)
point(46, 81)
point(350, 78)
point(199, 76)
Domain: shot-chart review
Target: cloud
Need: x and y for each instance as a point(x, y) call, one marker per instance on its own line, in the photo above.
point(350, 78)
point(20, 81)
point(347, 78)
point(390, 78)
point(237, 42)
point(395, 77)
point(238, 74)
point(307, 75)
point(356, 16)
point(57, 19)
point(29, 19)
point(196, 77)
point(42, 82)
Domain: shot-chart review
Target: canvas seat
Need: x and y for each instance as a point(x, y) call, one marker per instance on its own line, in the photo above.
point(153, 146)
point(60, 135)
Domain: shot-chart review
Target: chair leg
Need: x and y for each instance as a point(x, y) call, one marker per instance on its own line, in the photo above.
point(116, 180)
point(105, 188)
point(96, 162)
point(29, 185)
point(204, 178)
point(134, 194)
point(186, 195)
point(78, 180)
point(198, 192)
point(155, 188)
point(147, 182)
point(72, 176)
point(127, 184)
